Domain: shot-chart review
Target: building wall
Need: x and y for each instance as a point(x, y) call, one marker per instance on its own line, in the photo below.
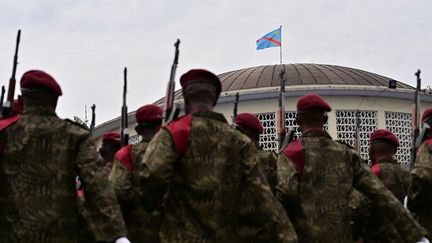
point(374, 113)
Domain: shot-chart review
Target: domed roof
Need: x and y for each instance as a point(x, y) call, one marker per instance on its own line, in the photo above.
point(300, 74)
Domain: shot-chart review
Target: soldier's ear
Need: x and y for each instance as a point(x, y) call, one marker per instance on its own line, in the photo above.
point(138, 129)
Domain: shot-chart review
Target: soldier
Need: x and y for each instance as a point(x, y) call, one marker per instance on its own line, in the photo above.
point(382, 150)
point(110, 146)
point(374, 225)
point(216, 191)
point(142, 226)
point(250, 125)
point(316, 176)
point(420, 190)
point(40, 157)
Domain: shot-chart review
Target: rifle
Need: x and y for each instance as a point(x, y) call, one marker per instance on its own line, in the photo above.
point(170, 111)
point(93, 119)
point(357, 132)
point(281, 133)
point(3, 90)
point(415, 120)
point(235, 107)
point(124, 113)
point(6, 106)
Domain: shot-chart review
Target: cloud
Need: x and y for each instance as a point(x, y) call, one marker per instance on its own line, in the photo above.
point(86, 44)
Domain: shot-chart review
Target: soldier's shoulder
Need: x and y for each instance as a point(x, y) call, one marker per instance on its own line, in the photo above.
point(75, 127)
point(427, 144)
point(267, 153)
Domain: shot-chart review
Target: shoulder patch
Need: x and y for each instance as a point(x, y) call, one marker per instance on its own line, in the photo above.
point(180, 131)
point(376, 169)
point(77, 124)
point(4, 123)
point(428, 141)
point(295, 152)
point(124, 155)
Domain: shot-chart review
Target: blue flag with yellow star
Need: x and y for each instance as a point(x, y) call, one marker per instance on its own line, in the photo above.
point(272, 39)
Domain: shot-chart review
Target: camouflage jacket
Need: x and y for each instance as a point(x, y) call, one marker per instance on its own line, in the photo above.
point(216, 190)
point(420, 190)
point(315, 186)
point(394, 177)
point(42, 154)
point(268, 160)
point(369, 222)
point(141, 225)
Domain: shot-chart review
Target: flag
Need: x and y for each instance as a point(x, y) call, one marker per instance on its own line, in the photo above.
point(272, 39)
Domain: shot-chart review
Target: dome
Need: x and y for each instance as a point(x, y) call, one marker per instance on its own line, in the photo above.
point(299, 74)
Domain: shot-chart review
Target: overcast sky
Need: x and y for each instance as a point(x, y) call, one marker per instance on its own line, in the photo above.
point(85, 44)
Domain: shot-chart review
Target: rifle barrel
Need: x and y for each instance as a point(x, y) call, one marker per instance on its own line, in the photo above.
point(281, 112)
point(124, 113)
point(12, 80)
point(169, 97)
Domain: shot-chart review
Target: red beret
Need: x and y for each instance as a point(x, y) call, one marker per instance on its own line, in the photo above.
point(111, 137)
point(201, 75)
point(250, 121)
point(312, 102)
point(17, 107)
point(426, 114)
point(34, 79)
point(384, 134)
point(148, 113)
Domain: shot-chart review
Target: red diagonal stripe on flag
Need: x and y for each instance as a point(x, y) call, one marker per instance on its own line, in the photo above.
point(272, 40)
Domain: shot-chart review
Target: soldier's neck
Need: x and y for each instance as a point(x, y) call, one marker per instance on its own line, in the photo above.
point(199, 107)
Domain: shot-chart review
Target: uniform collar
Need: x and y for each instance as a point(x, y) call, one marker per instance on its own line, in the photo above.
point(315, 132)
point(211, 115)
point(39, 110)
point(389, 161)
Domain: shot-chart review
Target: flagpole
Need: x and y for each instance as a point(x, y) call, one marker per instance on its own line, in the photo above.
point(280, 49)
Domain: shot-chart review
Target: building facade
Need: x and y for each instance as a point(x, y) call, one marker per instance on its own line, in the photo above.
point(356, 96)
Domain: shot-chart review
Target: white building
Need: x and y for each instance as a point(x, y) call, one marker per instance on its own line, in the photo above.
point(349, 91)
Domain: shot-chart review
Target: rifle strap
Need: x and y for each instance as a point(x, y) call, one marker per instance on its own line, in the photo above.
point(180, 131)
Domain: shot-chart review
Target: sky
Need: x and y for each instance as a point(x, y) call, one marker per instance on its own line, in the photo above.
point(85, 44)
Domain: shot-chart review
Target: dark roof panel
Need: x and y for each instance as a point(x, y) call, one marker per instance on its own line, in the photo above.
point(299, 74)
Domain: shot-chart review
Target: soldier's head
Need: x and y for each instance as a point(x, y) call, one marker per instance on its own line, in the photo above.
point(201, 90)
point(149, 121)
point(110, 145)
point(383, 145)
point(38, 88)
point(250, 125)
point(311, 112)
point(427, 118)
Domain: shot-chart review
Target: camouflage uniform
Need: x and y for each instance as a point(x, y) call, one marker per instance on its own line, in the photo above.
point(377, 228)
point(268, 161)
point(142, 226)
point(420, 190)
point(217, 192)
point(316, 195)
point(42, 155)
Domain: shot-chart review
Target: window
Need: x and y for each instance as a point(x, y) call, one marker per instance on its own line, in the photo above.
point(134, 139)
point(268, 138)
point(400, 124)
point(346, 126)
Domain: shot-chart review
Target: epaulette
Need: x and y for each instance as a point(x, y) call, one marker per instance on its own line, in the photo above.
point(180, 131)
point(77, 124)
